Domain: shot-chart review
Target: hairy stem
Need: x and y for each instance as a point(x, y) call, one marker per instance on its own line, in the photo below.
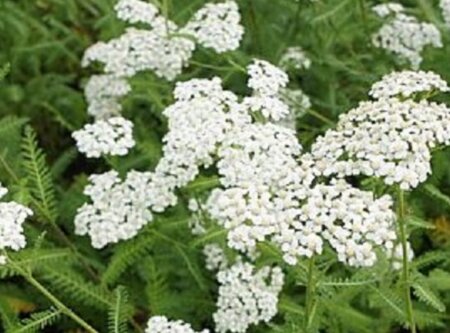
point(405, 275)
point(310, 295)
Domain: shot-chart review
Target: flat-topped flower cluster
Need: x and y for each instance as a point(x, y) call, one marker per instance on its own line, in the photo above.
point(403, 34)
point(12, 218)
point(269, 189)
point(163, 47)
point(391, 137)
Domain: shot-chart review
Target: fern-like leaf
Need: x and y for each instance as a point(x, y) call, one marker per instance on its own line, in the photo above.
point(68, 283)
point(430, 258)
point(347, 282)
point(386, 298)
point(119, 313)
point(39, 177)
point(38, 321)
point(353, 319)
point(125, 255)
point(31, 258)
point(10, 124)
point(426, 295)
point(156, 288)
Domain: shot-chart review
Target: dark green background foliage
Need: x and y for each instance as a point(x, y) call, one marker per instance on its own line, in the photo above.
point(161, 270)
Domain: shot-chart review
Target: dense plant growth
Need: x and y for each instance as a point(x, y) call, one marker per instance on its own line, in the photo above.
point(173, 166)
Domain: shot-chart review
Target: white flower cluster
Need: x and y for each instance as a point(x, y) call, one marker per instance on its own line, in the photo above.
point(388, 138)
point(136, 11)
point(353, 222)
point(265, 78)
point(397, 255)
point(163, 49)
point(246, 296)
point(113, 136)
point(267, 194)
point(270, 196)
point(445, 7)
point(407, 83)
point(217, 26)
point(405, 35)
point(159, 50)
point(266, 81)
point(294, 58)
point(198, 120)
point(215, 257)
point(12, 217)
point(160, 324)
point(196, 220)
point(118, 209)
point(103, 93)
point(385, 9)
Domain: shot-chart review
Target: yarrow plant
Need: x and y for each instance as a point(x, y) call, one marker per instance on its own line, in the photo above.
point(227, 182)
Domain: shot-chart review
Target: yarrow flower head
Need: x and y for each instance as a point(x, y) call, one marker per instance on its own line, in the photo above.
point(217, 26)
point(388, 138)
point(270, 196)
point(445, 7)
point(246, 296)
point(267, 194)
point(405, 36)
point(294, 58)
point(118, 209)
point(353, 222)
point(215, 257)
point(139, 50)
point(385, 9)
point(160, 324)
point(103, 93)
point(407, 83)
point(162, 48)
point(136, 11)
point(12, 218)
point(113, 136)
point(265, 78)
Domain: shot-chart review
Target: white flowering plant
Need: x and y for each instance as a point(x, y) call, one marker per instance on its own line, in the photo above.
point(228, 166)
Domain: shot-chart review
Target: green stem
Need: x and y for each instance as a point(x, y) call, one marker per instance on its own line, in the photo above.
point(405, 275)
point(254, 25)
point(320, 117)
point(59, 233)
point(60, 305)
point(310, 295)
point(362, 9)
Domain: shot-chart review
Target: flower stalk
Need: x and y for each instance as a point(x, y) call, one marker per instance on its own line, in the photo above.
point(310, 295)
point(405, 265)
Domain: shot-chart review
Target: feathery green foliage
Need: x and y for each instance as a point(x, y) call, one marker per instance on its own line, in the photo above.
point(161, 271)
